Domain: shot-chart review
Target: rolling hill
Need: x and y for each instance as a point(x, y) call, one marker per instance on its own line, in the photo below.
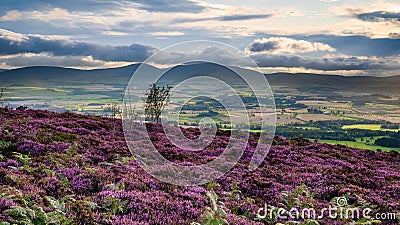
point(120, 76)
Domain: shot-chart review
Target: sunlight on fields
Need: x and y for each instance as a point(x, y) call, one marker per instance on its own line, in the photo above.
point(367, 127)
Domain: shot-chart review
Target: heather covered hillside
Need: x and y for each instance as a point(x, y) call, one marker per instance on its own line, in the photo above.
point(64, 168)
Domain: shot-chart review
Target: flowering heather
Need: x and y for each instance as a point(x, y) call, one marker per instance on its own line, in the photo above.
point(64, 168)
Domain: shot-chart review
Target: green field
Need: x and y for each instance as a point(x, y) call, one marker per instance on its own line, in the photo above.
point(363, 126)
point(358, 144)
point(367, 127)
point(345, 117)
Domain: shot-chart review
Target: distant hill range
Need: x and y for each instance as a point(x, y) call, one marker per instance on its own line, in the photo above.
point(41, 75)
point(317, 83)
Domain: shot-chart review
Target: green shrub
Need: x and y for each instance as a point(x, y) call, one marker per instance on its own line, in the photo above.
point(63, 137)
point(214, 215)
point(6, 147)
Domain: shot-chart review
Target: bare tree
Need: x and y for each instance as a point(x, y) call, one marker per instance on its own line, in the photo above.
point(129, 111)
point(155, 100)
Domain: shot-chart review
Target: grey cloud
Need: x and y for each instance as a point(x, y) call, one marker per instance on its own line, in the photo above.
point(325, 64)
point(242, 17)
point(263, 46)
point(394, 35)
point(379, 16)
point(24, 60)
point(221, 54)
point(169, 6)
point(64, 47)
point(352, 45)
point(225, 18)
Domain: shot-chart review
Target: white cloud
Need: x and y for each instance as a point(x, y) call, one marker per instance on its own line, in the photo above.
point(12, 36)
point(329, 1)
point(46, 16)
point(286, 45)
point(53, 14)
point(47, 59)
point(167, 33)
point(114, 33)
point(11, 15)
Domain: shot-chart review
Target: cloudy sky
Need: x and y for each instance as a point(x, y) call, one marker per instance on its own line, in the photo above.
point(349, 37)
